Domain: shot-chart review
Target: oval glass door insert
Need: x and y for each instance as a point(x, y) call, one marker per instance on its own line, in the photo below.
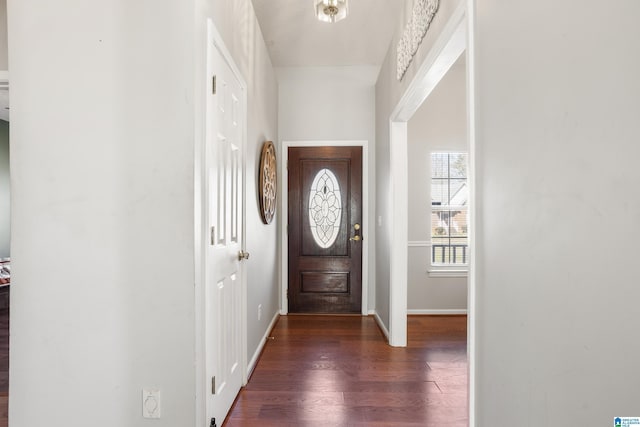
point(325, 208)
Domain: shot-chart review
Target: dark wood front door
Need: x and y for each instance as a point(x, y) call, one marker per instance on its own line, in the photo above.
point(325, 229)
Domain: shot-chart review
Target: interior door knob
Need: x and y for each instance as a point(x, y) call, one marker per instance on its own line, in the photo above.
point(243, 255)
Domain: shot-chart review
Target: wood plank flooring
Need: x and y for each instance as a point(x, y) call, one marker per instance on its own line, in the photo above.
point(339, 371)
point(4, 367)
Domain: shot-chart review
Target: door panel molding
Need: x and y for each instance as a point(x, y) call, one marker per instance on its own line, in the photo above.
point(283, 218)
point(202, 235)
point(327, 181)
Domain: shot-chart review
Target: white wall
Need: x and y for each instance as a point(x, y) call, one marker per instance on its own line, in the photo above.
point(4, 54)
point(262, 240)
point(5, 191)
point(559, 217)
point(388, 93)
point(103, 200)
point(5, 205)
point(440, 124)
point(332, 103)
point(102, 231)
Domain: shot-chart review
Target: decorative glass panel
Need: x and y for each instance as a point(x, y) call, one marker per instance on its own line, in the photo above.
point(325, 208)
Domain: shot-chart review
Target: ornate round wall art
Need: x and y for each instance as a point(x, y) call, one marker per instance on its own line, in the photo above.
point(268, 182)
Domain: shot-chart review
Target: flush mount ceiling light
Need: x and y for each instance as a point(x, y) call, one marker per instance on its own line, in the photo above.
point(331, 10)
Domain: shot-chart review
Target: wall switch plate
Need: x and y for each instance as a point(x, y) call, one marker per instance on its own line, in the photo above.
point(151, 403)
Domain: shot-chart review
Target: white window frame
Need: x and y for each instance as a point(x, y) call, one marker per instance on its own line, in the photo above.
point(446, 270)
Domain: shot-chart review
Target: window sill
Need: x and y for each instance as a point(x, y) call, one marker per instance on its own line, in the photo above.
point(444, 272)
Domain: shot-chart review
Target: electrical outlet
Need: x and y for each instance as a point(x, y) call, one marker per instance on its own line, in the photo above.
point(151, 403)
point(259, 311)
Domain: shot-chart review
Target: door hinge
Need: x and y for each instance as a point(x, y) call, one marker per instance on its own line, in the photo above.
point(213, 235)
point(213, 385)
point(213, 85)
point(213, 423)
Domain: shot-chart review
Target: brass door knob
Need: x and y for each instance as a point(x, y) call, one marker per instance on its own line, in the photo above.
point(357, 237)
point(242, 255)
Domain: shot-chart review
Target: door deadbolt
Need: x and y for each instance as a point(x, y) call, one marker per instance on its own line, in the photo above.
point(356, 233)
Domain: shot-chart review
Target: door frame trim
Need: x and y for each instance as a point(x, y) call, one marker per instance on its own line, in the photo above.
point(447, 48)
point(200, 232)
point(283, 218)
point(457, 38)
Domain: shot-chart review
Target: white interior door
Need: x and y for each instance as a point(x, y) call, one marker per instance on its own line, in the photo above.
point(224, 206)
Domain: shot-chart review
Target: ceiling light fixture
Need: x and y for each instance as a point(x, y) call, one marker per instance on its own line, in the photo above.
point(331, 10)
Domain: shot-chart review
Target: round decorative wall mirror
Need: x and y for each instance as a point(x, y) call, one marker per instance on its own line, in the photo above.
point(267, 182)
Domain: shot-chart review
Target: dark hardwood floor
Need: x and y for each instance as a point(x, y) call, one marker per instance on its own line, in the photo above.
point(339, 371)
point(4, 367)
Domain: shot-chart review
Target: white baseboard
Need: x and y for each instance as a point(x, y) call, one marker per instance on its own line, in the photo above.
point(256, 355)
point(437, 312)
point(384, 329)
point(371, 313)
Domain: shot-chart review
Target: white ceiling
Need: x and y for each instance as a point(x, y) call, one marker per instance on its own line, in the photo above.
point(295, 38)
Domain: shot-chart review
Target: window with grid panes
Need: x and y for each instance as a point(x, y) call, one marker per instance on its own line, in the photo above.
point(449, 201)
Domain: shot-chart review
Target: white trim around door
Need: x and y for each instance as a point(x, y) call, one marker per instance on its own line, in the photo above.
point(201, 232)
point(283, 218)
point(445, 51)
point(456, 38)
